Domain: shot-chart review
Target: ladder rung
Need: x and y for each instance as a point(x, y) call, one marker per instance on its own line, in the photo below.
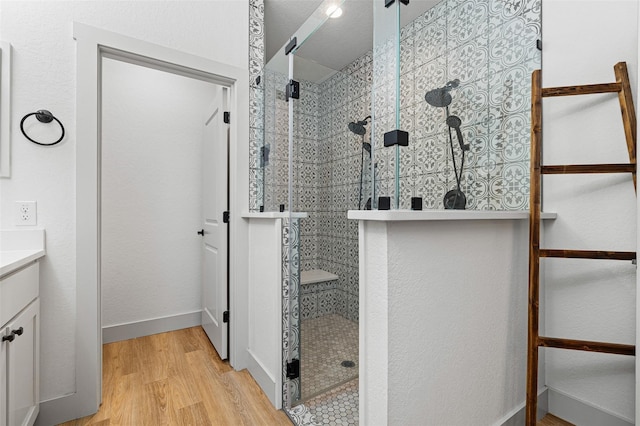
point(587, 89)
point(588, 168)
point(589, 254)
point(585, 345)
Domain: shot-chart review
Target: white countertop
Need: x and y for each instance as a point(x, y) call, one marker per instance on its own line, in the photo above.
point(413, 215)
point(19, 247)
point(12, 260)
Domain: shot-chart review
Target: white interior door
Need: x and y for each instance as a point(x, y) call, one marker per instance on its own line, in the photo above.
point(214, 239)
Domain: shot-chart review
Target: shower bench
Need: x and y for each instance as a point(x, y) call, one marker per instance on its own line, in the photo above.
point(317, 293)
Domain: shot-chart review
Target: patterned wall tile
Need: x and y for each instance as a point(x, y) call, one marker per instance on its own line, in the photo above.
point(509, 139)
point(430, 75)
point(467, 21)
point(510, 91)
point(469, 61)
point(430, 41)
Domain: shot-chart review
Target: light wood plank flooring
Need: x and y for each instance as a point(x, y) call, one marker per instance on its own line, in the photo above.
point(176, 378)
point(551, 420)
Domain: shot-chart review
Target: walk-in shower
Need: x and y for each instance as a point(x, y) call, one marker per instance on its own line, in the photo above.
point(452, 81)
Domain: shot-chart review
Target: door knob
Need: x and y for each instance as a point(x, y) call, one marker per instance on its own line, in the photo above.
point(201, 232)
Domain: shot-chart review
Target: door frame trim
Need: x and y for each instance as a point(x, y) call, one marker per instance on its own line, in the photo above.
point(92, 44)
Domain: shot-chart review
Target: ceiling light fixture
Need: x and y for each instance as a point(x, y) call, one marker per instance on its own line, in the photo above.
point(334, 11)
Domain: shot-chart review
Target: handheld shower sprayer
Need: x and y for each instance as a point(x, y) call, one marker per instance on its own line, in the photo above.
point(454, 122)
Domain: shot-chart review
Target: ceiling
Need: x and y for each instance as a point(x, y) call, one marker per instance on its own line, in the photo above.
point(339, 41)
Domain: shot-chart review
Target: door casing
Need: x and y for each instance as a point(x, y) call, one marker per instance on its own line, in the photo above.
point(92, 45)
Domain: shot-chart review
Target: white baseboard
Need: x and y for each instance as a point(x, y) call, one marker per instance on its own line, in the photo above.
point(582, 413)
point(517, 416)
point(116, 333)
point(269, 385)
point(58, 410)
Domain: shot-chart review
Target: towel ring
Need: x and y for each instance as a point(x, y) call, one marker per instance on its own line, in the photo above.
point(43, 116)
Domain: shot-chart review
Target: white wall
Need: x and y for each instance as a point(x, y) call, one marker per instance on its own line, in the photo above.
point(265, 306)
point(44, 77)
point(152, 127)
point(443, 321)
point(589, 300)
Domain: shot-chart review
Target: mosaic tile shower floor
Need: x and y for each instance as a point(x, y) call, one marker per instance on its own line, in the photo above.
point(336, 407)
point(327, 341)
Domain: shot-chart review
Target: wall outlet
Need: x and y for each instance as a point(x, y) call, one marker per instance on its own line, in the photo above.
point(26, 213)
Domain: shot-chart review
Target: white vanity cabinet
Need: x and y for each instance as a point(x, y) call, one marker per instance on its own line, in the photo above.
point(19, 346)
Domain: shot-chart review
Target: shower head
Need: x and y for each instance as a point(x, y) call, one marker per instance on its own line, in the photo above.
point(441, 97)
point(358, 126)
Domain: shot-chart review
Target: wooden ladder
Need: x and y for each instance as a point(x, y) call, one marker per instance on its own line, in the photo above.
point(623, 88)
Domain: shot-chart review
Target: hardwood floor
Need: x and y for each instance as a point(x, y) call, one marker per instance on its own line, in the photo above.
point(176, 378)
point(551, 420)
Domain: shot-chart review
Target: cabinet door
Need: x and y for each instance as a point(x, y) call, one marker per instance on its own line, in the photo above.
point(23, 353)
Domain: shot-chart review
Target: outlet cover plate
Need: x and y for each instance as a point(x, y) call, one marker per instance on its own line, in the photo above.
point(26, 213)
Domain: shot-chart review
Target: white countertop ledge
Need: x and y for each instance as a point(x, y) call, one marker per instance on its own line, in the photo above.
point(13, 260)
point(417, 215)
point(273, 215)
point(20, 247)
